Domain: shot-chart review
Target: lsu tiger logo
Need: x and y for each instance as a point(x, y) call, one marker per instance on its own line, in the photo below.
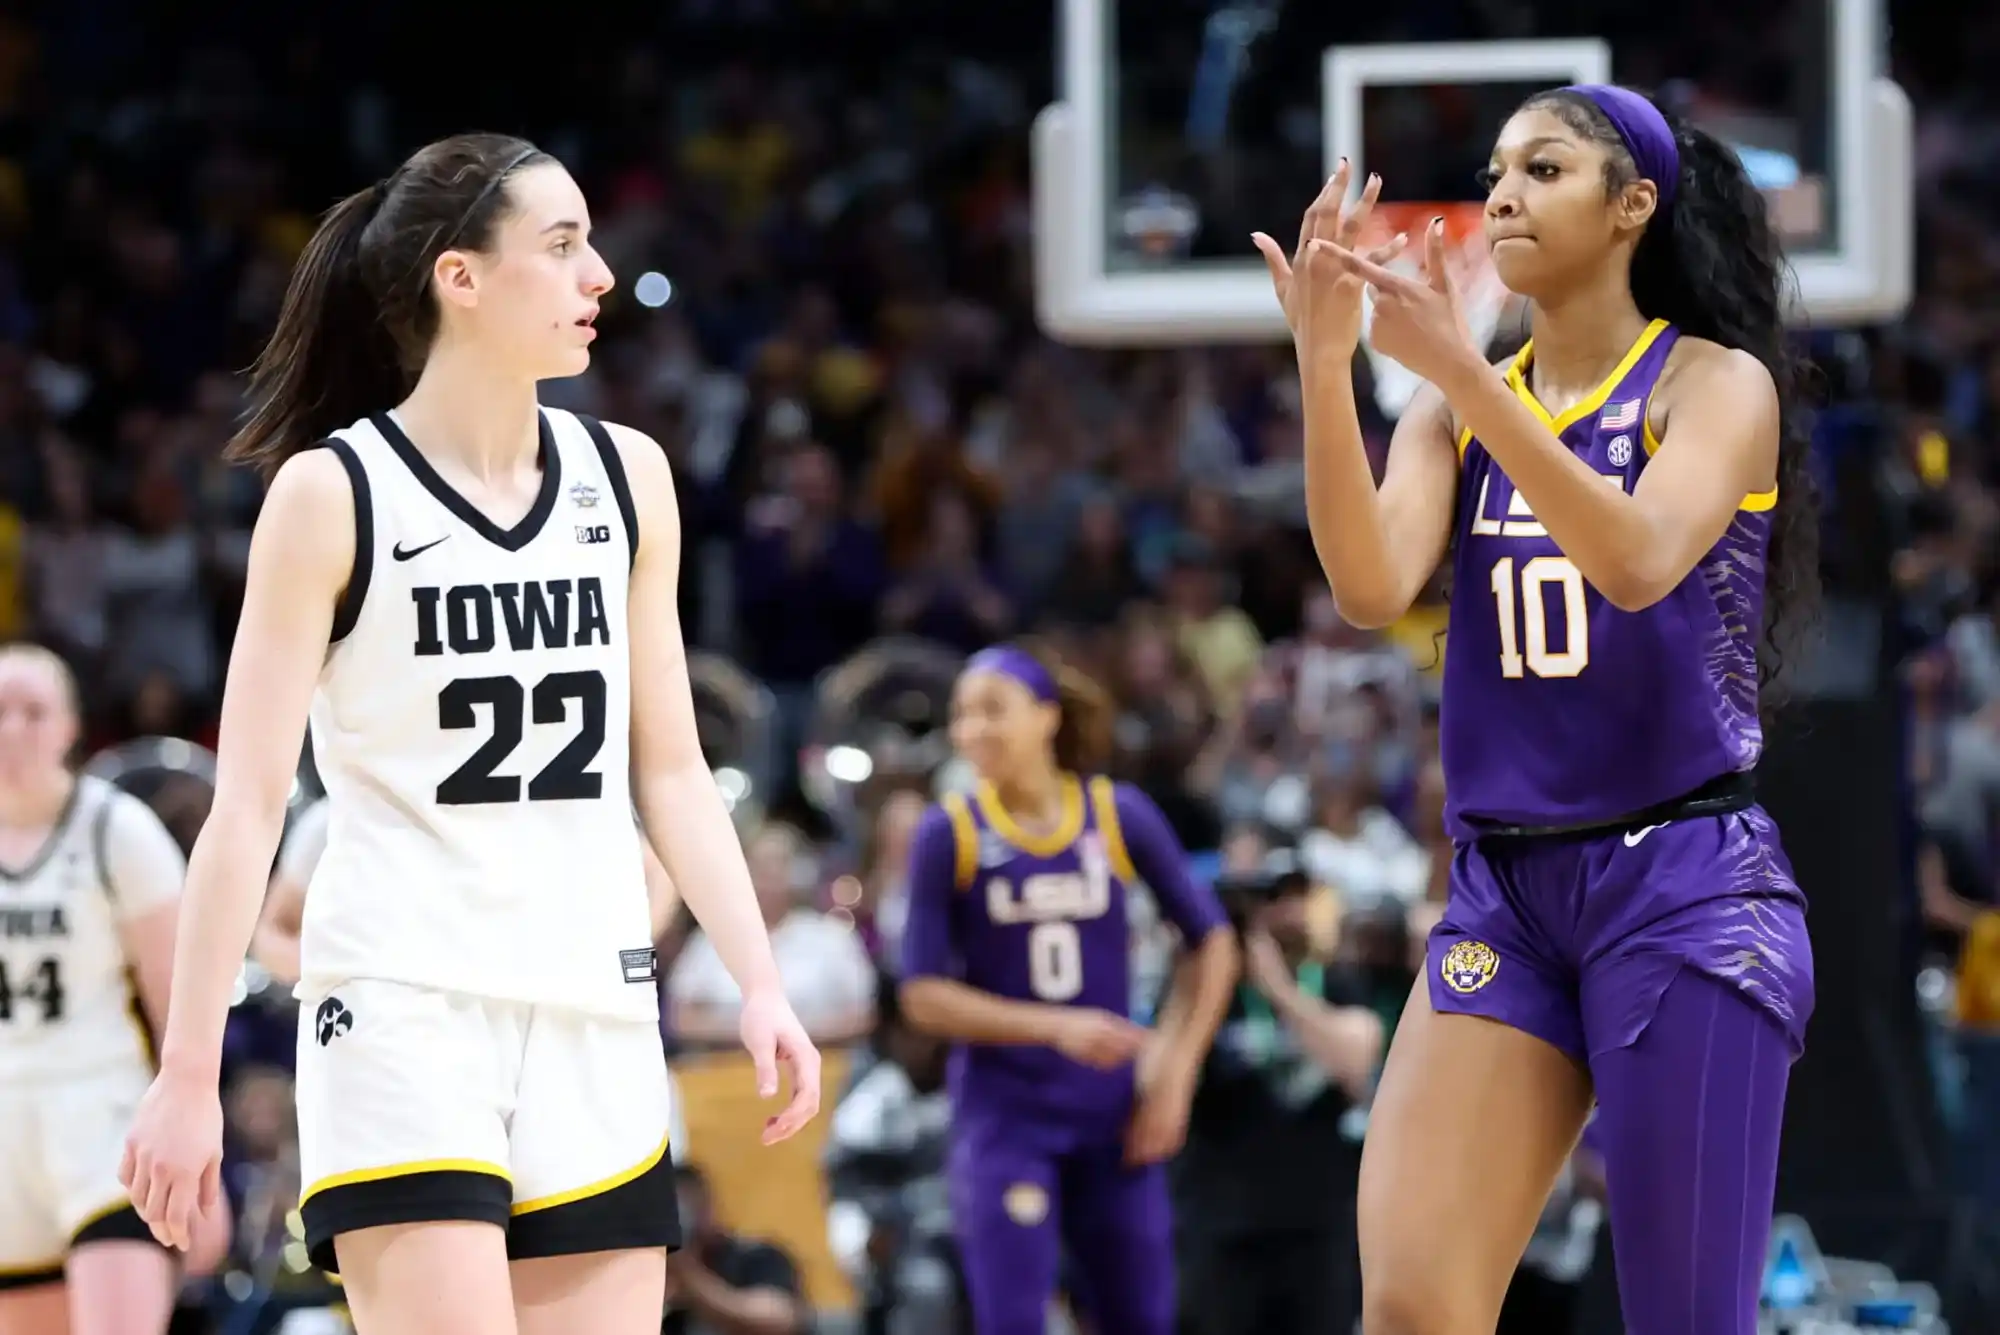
point(1469, 966)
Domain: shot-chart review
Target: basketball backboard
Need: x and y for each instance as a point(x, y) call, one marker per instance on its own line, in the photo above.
point(1185, 125)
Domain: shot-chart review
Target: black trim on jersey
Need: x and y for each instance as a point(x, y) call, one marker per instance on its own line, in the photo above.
point(100, 845)
point(511, 539)
point(15, 1280)
point(621, 486)
point(53, 842)
point(409, 1198)
point(1736, 791)
point(121, 1225)
point(348, 610)
point(642, 1213)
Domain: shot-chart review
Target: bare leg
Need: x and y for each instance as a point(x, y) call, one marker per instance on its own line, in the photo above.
point(42, 1310)
point(605, 1293)
point(121, 1288)
point(1471, 1124)
point(445, 1278)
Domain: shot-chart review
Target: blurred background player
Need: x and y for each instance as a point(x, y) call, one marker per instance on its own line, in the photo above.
point(90, 883)
point(1018, 949)
point(1619, 904)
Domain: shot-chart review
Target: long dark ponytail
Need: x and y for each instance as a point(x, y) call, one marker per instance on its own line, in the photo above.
point(1714, 267)
point(358, 317)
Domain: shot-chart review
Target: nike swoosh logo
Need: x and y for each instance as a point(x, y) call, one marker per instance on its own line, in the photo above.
point(403, 554)
point(1632, 837)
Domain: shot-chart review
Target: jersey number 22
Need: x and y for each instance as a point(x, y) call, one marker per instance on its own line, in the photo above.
point(567, 776)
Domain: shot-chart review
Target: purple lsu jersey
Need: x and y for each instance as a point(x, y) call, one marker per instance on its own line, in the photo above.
point(1041, 919)
point(1559, 709)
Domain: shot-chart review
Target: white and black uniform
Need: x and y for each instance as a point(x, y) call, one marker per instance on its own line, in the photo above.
point(75, 1053)
point(479, 1028)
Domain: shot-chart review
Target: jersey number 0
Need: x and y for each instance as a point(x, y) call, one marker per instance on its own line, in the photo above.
point(567, 776)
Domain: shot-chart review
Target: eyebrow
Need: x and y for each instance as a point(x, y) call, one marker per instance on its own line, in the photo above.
point(1530, 145)
point(566, 225)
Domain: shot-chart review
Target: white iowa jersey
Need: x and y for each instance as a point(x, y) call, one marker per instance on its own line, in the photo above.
point(472, 728)
point(67, 1004)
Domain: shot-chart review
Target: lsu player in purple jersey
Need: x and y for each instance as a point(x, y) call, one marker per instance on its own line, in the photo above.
point(1626, 509)
point(1017, 949)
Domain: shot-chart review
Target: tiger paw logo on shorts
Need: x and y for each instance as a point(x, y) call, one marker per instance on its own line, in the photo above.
point(331, 1020)
point(1469, 966)
point(1026, 1204)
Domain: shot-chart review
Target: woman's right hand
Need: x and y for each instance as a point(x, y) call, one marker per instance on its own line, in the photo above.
point(1321, 300)
point(173, 1156)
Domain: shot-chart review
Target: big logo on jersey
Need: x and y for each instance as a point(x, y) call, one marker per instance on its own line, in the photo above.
point(536, 614)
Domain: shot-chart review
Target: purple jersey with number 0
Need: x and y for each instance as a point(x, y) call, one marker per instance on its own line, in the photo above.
point(1559, 709)
point(1043, 919)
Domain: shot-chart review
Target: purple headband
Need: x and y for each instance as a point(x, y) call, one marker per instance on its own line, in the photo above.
point(1648, 137)
point(1019, 664)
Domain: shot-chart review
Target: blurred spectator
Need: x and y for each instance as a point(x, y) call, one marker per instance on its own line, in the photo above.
point(1358, 848)
point(828, 977)
point(884, 905)
point(890, 1221)
point(153, 575)
point(948, 594)
point(1265, 1188)
point(720, 1284)
point(68, 557)
point(1220, 639)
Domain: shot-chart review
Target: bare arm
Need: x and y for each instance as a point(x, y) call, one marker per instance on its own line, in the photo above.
point(662, 899)
point(1635, 549)
point(300, 557)
point(275, 943)
point(1343, 1041)
point(684, 817)
point(1378, 547)
point(143, 872)
point(947, 1008)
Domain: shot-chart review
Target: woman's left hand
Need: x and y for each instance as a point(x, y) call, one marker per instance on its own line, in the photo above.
point(1418, 321)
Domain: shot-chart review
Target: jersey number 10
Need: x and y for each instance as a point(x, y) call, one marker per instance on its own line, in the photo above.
point(1531, 606)
point(567, 776)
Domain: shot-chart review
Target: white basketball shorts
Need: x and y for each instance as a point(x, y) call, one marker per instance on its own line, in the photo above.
point(417, 1105)
point(60, 1143)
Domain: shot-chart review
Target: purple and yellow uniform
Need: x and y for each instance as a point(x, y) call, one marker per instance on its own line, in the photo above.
point(1597, 763)
point(1037, 1160)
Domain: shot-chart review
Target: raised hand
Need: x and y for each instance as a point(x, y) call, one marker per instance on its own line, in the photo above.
point(1419, 321)
point(1322, 303)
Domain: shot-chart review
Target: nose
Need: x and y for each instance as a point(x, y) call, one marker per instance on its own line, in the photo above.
point(597, 276)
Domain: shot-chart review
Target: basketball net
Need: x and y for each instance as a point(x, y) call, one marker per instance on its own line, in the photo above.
point(1481, 295)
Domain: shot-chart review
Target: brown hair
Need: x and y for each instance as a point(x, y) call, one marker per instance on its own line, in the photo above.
point(1083, 738)
point(359, 318)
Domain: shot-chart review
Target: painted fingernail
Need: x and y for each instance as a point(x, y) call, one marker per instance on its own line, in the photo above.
point(1438, 221)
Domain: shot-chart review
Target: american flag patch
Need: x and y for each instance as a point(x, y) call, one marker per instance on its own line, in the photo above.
point(1621, 416)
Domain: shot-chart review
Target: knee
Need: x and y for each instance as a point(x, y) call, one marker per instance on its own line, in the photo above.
point(1409, 1302)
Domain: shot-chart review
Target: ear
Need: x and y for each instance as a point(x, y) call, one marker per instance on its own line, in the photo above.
point(455, 275)
point(1637, 203)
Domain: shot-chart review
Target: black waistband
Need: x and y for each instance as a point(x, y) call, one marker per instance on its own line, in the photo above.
point(1730, 792)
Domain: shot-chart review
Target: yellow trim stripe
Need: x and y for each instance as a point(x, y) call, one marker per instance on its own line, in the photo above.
point(53, 1268)
point(1104, 801)
point(1517, 376)
point(964, 839)
point(1464, 442)
point(102, 1212)
point(1069, 824)
point(598, 1188)
point(1757, 502)
point(359, 1176)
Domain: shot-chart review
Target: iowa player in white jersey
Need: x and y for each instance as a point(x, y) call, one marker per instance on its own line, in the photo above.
point(275, 944)
point(474, 599)
point(90, 881)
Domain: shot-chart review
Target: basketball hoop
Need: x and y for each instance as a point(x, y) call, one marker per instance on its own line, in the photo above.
point(1482, 297)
